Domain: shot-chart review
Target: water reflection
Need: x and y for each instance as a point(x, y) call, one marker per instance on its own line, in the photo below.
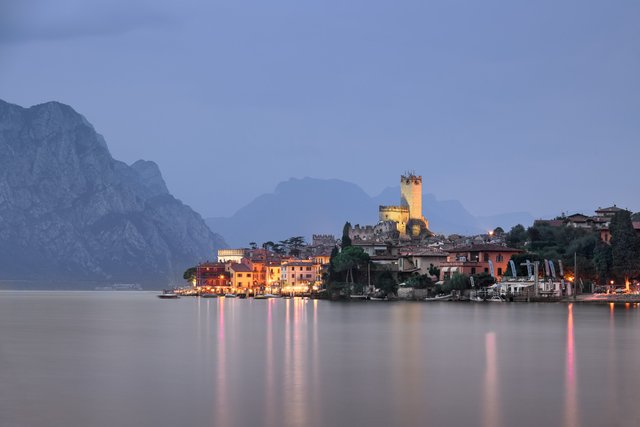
point(571, 412)
point(221, 391)
point(491, 404)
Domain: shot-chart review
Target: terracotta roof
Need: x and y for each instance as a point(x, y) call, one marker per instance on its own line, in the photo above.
point(486, 247)
point(241, 268)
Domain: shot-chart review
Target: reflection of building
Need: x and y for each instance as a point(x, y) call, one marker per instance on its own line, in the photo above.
point(474, 259)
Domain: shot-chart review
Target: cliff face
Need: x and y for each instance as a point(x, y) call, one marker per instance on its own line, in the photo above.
point(69, 211)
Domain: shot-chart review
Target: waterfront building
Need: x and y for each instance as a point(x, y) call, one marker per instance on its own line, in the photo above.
point(476, 259)
point(299, 275)
point(241, 276)
point(420, 260)
point(212, 275)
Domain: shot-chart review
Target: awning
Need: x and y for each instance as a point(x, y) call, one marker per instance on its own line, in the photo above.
point(455, 269)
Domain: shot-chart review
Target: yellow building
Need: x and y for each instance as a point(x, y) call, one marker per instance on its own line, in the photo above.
point(410, 222)
point(241, 277)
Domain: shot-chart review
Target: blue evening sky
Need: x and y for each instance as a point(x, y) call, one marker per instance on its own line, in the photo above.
point(504, 105)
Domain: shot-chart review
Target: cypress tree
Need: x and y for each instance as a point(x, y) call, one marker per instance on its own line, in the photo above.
point(346, 240)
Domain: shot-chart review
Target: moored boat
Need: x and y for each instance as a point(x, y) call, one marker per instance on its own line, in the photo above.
point(230, 296)
point(208, 295)
point(168, 294)
point(440, 298)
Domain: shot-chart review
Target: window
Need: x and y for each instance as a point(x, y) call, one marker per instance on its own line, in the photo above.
point(473, 270)
point(308, 276)
point(499, 271)
point(486, 257)
point(308, 268)
point(499, 258)
point(239, 274)
point(248, 274)
point(486, 270)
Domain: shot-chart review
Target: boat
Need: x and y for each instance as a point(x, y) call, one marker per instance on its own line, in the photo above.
point(440, 298)
point(261, 296)
point(495, 298)
point(168, 295)
point(272, 296)
point(208, 295)
point(477, 299)
point(230, 296)
point(358, 297)
point(378, 298)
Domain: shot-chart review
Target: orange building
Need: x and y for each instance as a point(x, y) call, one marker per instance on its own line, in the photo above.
point(475, 259)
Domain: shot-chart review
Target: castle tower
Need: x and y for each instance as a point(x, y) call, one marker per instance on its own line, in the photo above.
point(411, 195)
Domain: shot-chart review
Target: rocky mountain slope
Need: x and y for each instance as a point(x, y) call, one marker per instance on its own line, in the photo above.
point(70, 213)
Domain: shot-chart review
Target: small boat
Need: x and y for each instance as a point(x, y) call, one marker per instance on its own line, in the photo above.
point(208, 295)
point(230, 296)
point(477, 299)
point(272, 296)
point(440, 298)
point(242, 296)
point(495, 298)
point(168, 295)
point(260, 296)
point(377, 298)
point(359, 297)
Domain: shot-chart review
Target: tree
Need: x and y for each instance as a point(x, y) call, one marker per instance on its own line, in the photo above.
point(635, 217)
point(603, 261)
point(434, 271)
point(517, 236)
point(268, 245)
point(349, 259)
point(253, 245)
point(625, 246)
point(499, 231)
point(483, 280)
point(346, 240)
point(386, 283)
point(420, 281)
point(458, 282)
point(294, 244)
point(190, 274)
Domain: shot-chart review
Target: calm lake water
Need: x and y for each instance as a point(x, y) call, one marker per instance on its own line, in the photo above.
point(131, 359)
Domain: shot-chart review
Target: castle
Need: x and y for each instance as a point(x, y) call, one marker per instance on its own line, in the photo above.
point(399, 222)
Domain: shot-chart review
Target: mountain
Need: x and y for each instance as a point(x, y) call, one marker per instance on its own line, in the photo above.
point(73, 215)
point(314, 206)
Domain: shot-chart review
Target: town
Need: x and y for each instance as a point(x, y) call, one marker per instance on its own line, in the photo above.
point(594, 258)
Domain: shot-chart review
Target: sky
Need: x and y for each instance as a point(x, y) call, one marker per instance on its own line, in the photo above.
point(503, 105)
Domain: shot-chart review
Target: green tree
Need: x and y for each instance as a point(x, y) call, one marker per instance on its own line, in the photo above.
point(294, 245)
point(434, 271)
point(386, 283)
point(190, 274)
point(625, 246)
point(517, 236)
point(253, 245)
point(483, 280)
point(350, 259)
point(603, 261)
point(499, 231)
point(420, 281)
point(458, 282)
point(346, 240)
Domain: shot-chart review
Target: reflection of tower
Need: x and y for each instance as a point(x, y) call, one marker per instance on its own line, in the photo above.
point(411, 194)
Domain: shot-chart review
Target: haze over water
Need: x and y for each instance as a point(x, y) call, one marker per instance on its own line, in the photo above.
point(129, 359)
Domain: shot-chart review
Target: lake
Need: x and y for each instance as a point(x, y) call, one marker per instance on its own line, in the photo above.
point(131, 359)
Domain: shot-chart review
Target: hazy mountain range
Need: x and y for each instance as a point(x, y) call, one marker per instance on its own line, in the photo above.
point(71, 214)
point(308, 205)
